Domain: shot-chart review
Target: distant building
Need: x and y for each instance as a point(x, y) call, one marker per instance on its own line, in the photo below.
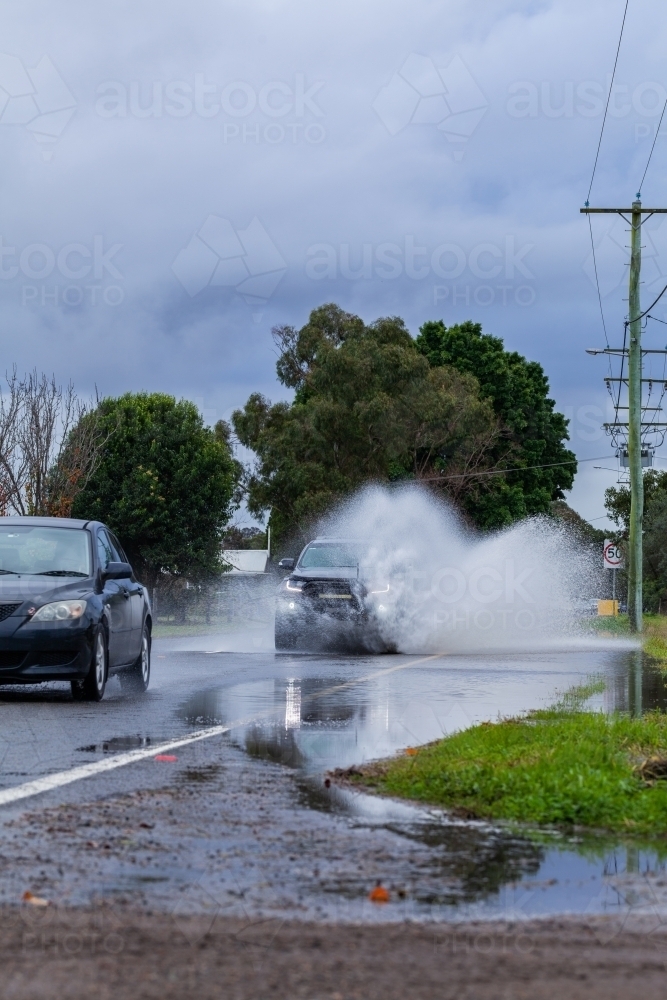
point(246, 560)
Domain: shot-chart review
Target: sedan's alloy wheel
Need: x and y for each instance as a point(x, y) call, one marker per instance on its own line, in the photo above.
point(91, 688)
point(137, 678)
point(145, 660)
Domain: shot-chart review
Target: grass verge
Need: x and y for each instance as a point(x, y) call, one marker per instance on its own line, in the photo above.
point(654, 639)
point(562, 766)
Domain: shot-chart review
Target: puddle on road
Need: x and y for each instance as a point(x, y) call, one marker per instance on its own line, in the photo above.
point(312, 724)
point(117, 744)
point(483, 871)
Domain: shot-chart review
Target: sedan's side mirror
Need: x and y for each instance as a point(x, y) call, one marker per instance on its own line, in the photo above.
point(286, 564)
point(117, 571)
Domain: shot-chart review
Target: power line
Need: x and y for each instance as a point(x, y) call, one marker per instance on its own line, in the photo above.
point(641, 184)
point(606, 109)
point(520, 468)
point(597, 285)
point(655, 301)
point(620, 381)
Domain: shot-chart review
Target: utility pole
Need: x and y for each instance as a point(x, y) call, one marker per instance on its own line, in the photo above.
point(635, 547)
point(634, 353)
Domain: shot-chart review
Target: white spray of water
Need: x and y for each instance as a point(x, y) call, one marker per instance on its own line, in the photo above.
point(529, 587)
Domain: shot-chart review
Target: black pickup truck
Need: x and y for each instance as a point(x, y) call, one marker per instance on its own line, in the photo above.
point(329, 599)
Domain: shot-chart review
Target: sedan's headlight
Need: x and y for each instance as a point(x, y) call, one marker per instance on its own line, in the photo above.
point(59, 611)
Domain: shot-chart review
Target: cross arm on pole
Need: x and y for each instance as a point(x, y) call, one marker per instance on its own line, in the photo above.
point(624, 350)
point(617, 211)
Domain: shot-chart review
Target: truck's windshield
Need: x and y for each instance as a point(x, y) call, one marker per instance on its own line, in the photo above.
point(330, 555)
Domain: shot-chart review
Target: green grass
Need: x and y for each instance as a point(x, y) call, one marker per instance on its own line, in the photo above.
point(562, 766)
point(616, 625)
point(655, 647)
point(654, 639)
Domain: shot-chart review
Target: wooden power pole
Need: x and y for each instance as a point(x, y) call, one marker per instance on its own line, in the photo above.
point(634, 353)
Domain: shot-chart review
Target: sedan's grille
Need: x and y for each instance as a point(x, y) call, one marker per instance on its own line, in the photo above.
point(7, 609)
point(11, 658)
point(55, 657)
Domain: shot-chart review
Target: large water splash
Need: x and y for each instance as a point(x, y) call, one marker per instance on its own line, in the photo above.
point(531, 586)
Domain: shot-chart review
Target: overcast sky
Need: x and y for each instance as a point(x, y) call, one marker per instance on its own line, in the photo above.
point(178, 178)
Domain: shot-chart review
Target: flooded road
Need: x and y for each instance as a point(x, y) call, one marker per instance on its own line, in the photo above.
point(258, 790)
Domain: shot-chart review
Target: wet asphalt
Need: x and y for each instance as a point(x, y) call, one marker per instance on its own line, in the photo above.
point(242, 822)
point(334, 710)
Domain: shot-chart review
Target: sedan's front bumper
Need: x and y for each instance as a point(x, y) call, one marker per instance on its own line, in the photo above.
point(43, 652)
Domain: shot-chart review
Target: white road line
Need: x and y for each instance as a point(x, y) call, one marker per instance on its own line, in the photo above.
point(51, 781)
point(61, 778)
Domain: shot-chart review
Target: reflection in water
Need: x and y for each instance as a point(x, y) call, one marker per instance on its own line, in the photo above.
point(313, 724)
point(479, 860)
point(203, 709)
point(635, 685)
point(293, 705)
point(277, 744)
point(336, 723)
point(117, 744)
point(296, 702)
point(467, 860)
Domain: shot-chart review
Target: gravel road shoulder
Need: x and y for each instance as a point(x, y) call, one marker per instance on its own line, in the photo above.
point(133, 956)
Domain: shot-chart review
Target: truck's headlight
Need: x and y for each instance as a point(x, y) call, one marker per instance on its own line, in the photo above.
point(293, 585)
point(59, 611)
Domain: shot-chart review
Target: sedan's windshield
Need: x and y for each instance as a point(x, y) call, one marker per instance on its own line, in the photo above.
point(28, 550)
point(330, 555)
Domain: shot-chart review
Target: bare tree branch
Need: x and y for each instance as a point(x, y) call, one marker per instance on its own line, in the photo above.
point(50, 445)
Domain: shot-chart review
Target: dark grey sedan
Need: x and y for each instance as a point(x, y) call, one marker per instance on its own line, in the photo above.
point(71, 608)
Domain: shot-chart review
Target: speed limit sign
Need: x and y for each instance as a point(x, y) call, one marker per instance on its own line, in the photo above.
point(612, 555)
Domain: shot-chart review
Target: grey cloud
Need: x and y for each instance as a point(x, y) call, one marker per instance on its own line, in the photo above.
point(411, 152)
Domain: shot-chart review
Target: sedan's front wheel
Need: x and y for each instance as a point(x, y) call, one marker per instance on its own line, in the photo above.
point(91, 688)
point(137, 678)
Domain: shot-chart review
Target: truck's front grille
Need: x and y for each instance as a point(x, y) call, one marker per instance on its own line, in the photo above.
point(328, 589)
point(334, 597)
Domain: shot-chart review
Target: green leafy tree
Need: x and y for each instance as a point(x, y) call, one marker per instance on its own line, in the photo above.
point(367, 406)
point(532, 432)
point(617, 499)
point(165, 485)
point(617, 502)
